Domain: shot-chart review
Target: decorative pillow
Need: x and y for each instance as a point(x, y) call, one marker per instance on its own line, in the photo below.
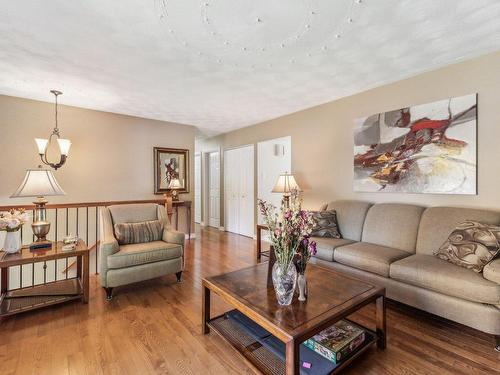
point(471, 245)
point(146, 231)
point(326, 224)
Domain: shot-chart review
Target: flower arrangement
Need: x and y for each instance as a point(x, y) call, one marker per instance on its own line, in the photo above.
point(13, 220)
point(289, 230)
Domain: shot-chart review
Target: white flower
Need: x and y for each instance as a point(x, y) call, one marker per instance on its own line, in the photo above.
point(13, 223)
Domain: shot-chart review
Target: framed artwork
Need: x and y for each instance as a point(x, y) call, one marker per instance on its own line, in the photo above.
point(169, 164)
point(428, 148)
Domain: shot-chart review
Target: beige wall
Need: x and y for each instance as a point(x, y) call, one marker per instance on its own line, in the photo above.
point(322, 137)
point(111, 157)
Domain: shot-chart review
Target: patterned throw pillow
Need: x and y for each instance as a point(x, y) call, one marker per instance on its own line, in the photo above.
point(326, 224)
point(146, 231)
point(471, 245)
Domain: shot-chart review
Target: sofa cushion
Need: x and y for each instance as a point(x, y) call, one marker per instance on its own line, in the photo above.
point(393, 225)
point(133, 213)
point(492, 271)
point(325, 246)
point(141, 253)
point(145, 231)
point(325, 224)
point(471, 245)
point(430, 272)
point(350, 216)
point(368, 257)
point(438, 222)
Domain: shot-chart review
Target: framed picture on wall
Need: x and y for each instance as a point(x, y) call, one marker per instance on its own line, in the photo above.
point(171, 164)
point(427, 148)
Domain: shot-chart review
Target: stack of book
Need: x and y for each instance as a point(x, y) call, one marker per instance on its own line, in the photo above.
point(337, 342)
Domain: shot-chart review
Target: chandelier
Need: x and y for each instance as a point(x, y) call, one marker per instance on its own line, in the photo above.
point(64, 144)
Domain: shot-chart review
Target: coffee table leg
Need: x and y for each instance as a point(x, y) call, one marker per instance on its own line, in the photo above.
point(381, 323)
point(292, 358)
point(205, 310)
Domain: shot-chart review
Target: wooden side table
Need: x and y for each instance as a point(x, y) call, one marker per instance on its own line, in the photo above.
point(36, 296)
point(260, 253)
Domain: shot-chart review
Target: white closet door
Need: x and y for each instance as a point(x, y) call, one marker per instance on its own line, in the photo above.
point(246, 201)
point(214, 189)
point(197, 188)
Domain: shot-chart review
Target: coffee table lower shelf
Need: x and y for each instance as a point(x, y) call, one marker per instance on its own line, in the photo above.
point(261, 357)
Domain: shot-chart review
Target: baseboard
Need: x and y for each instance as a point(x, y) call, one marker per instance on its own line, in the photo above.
point(222, 229)
point(202, 223)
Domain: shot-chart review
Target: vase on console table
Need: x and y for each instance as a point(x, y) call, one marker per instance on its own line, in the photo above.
point(12, 241)
point(11, 222)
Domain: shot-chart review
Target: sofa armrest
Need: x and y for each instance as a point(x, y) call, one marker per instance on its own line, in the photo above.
point(173, 236)
point(492, 271)
point(108, 245)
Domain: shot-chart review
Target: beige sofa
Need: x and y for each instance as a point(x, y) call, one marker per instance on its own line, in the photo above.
point(392, 245)
point(126, 264)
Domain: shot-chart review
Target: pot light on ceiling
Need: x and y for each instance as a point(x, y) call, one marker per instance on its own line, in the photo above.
point(64, 144)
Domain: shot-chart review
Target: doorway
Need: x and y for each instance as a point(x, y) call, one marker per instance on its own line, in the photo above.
point(197, 188)
point(213, 181)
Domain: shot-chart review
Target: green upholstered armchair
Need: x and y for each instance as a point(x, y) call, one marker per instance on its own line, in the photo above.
point(126, 264)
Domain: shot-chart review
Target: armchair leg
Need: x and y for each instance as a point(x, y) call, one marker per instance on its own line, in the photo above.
point(109, 294)
point(178, 275)
point(497, 343)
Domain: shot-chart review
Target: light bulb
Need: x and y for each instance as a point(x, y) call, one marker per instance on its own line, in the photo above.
point(41, 144)
point(64, 146)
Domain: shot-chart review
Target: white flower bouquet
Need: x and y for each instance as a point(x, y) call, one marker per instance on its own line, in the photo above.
point(13, 220)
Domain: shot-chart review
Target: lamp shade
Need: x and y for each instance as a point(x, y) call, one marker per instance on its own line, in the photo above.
point(64, 146)
point(175, 184)
point(286, 183)
point(38, 183)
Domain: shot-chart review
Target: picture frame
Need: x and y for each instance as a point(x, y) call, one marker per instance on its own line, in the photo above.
point(170, 163)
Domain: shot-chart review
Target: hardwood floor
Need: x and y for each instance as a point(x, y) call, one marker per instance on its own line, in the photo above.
point(154, 328)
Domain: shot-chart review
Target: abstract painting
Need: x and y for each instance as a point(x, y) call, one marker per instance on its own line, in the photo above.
point(171, 163)
point(428, 148)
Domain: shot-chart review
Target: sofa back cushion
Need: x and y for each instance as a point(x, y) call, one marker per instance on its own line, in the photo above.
point(350, 217)
point(437, 223)
point(393, 225)
point(133, 213)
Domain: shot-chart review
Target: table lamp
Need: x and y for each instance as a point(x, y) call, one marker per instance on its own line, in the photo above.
point(39, 183)
point(175, 185)
point(286, 184)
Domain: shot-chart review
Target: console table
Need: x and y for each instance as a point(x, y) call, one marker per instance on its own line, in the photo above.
point(187, 204)
point(15, 301)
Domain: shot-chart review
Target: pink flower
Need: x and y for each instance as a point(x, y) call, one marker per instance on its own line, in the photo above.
point(312, 247)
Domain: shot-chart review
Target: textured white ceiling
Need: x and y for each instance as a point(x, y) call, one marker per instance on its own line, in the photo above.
point(225, 64)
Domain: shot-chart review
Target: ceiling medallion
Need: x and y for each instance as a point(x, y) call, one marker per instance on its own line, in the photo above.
point(258, 34)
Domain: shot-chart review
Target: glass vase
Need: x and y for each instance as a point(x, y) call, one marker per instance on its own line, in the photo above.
point(284, 281)
point(12, 242)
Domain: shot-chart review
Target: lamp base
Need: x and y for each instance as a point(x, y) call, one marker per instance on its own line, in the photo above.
point(40, 225)
point(175, 195)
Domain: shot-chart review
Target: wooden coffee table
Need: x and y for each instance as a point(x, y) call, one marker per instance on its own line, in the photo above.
point(332, 296)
